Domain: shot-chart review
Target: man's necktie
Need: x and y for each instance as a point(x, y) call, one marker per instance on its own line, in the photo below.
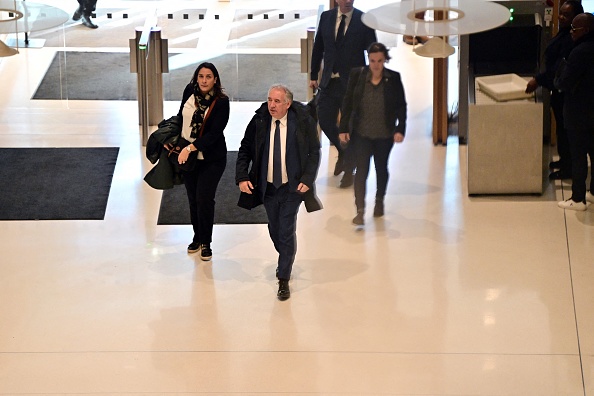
point(339, 37)
point(277, 165)
point(340, 33)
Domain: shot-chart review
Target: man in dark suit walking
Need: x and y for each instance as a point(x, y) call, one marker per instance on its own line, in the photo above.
point(341, 41)
point(281, 144)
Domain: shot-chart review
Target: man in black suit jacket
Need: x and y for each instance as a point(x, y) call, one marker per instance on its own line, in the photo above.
point(341, 50)
point(298, 161)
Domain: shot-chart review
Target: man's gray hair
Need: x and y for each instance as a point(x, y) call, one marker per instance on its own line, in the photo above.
point(282, 87)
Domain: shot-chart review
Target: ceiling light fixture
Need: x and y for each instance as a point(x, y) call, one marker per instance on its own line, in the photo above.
point(15, 15)
point(459, 17)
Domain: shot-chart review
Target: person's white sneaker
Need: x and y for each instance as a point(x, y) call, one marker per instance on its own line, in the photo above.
point(570, 204)
point(589, 197)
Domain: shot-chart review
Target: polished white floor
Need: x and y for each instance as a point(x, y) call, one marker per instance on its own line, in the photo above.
point(445, 295)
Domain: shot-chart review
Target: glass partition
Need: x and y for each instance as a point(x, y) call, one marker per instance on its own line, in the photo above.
point(253, 44)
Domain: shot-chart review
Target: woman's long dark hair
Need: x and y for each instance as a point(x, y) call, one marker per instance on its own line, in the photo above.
point(219, 91)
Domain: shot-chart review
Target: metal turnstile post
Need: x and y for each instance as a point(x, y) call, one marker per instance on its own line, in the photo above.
point(149, 60)
point(306, 50)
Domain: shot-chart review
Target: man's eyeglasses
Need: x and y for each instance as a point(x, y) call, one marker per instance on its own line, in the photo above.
point(573, 28)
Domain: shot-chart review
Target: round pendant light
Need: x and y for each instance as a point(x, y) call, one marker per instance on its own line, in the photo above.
point(460, 17)
point(435, 47)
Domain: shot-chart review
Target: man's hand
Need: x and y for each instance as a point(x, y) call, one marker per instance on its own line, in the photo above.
point(531, 86)
point(344, 138)
point(313, 84)
point(246, 187)
point(302, 188)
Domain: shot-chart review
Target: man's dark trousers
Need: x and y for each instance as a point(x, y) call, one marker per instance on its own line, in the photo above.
point(563, 147)
point(282, 207)
point(328, 108)
point(582, 145)
point(87, 6)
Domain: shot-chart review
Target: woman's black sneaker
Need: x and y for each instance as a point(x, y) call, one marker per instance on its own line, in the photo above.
point(193, 247)
point(206, 253)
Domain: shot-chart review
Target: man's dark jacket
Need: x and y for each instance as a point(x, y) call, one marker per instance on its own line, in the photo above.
point(576, 81)
point(249, 165)
point(558, 49)
point(349, 53)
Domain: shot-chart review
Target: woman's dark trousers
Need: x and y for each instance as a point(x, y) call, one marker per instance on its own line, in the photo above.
point(201, 186)
point(364, 149)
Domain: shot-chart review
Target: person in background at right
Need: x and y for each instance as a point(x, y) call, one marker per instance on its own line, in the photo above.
point(576, 80)
point(373, 119)
point(558, 49)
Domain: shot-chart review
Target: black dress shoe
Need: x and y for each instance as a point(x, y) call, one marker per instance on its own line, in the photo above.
point(347, 180)
point(86, 20)
point(77, 14)
point(283, 290)
point(339, 167)
point(559, 175)
point(555, 164)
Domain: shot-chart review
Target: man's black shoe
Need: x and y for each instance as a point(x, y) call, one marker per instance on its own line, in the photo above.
point(86, 20)
point(339, 167)
point(283, 290)
point(559, 175)
point(77, 14)
point(555, 164)
point(347, 180)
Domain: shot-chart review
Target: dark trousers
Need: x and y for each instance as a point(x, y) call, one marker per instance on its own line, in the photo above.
point(201, 186)
point(563, 147)
point(582, 145)
point(328, 108)
point(87, 6)
point(282, 207)
point(364, 149)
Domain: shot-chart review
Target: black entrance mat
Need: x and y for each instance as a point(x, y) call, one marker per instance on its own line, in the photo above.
point(55, 183)
point(106, 76)
point(175, 210)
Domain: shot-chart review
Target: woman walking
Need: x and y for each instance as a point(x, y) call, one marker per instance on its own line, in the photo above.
point(205, 112)
point(373, 119)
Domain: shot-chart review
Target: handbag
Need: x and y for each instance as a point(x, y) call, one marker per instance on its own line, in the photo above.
point(181, 144)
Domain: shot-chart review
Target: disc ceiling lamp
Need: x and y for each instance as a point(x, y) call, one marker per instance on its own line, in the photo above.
point(13, 14)
point(456, 17)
